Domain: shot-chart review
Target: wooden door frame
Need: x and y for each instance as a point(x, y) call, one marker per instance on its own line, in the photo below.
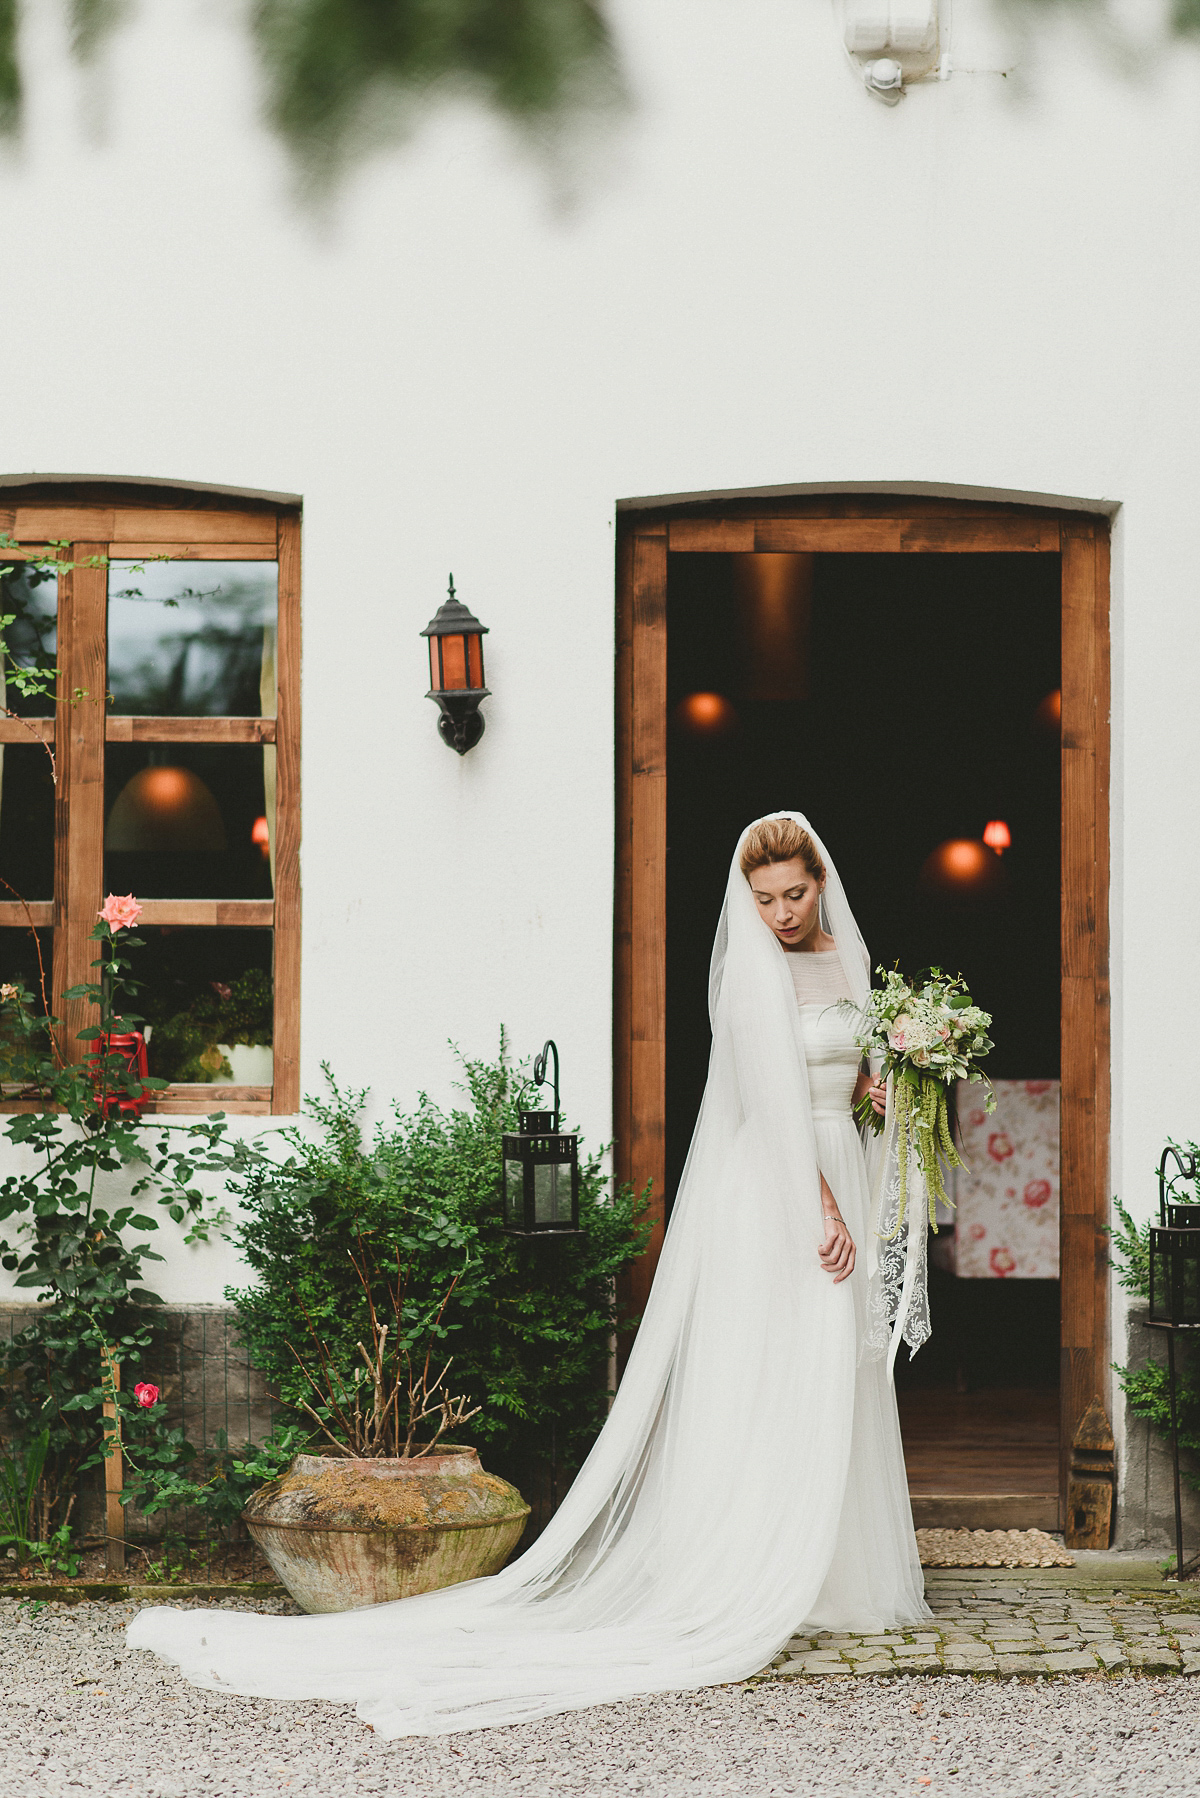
point(856, 524)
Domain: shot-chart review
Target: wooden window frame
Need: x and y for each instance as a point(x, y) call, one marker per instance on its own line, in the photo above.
point(857, 524)
point(125, 522)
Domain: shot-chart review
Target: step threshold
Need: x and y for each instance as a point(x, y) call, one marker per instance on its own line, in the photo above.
point(985, 1510)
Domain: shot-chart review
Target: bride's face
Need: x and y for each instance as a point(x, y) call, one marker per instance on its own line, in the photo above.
point(789, 901)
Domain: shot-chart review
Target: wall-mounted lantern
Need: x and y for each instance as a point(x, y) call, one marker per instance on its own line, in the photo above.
point(456, 672)
point(541, 1169)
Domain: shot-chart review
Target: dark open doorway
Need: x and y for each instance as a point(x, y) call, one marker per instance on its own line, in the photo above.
point(901, 701)
point(924, 719)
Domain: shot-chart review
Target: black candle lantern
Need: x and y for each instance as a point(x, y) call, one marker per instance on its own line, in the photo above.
point(456, 671)
point(1175, 1291)
point(541, 1169)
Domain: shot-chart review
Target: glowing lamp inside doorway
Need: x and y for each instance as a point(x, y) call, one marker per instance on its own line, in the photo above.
point(961, 867)
point(997, 835)
point(165, 809)
point(260, 835)
point(705, 715)
point(1048, 717)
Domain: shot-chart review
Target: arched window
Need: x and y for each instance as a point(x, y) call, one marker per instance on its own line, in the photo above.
point(163, 760)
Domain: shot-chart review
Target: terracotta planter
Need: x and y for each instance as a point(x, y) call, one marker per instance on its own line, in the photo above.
point(344, 1533)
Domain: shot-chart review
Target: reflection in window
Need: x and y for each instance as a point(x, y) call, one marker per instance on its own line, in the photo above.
point(192, 639)
point(29, 596)
point(187, 821)
point(22, 1048)
point(207, 1001)
point(26, 821)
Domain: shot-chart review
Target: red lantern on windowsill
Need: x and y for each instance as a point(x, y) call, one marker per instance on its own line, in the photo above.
point(130, 1046)
point(456, 671)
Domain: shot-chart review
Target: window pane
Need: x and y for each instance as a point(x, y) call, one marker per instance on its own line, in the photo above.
point(26, 822)
point(30, 597)
point(188, 821)
point(206, 999)
point(192, 639)
point(19, 967)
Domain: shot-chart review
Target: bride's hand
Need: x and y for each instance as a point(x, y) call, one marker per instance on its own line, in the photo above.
point(837, 1251)
point(877, 1092)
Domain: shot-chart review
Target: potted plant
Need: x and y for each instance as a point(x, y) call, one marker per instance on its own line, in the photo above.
point(224, 1032)
point(388, 1507)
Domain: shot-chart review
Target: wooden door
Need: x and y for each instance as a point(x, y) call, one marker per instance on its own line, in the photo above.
point(857, 524)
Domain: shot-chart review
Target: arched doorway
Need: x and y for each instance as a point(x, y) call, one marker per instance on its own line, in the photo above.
point(1064, 557)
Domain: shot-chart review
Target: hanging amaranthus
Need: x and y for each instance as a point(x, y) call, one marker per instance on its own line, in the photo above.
point(924, 1037)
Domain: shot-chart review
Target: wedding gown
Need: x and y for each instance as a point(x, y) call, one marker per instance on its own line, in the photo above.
point(749, 1481)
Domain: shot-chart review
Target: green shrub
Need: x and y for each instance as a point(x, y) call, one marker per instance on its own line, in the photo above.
point(530, 1323)
point(1146, 1389)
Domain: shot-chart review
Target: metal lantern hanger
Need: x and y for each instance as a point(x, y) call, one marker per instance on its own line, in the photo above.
point(456, 671)
point(541, 1168)
point(1175, 1291)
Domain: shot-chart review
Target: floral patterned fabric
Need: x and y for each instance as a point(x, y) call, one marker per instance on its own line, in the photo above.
point(1006, 1227)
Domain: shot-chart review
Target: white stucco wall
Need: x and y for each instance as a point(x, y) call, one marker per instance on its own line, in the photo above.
point(764, 277)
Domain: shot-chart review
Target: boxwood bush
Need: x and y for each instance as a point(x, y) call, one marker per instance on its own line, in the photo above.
point(530, 1323)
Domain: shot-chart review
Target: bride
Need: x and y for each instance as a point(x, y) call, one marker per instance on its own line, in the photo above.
point(749, 1482)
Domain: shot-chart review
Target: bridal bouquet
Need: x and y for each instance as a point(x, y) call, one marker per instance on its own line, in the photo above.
point(927, 1035)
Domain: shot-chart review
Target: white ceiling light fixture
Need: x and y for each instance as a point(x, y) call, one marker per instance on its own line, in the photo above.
point(894, 42)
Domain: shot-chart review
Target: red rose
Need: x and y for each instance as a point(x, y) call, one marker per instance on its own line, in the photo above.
point(999, 1147)
point(1038, 1086)
point(1001, 1262)
point(145, 1394)
point(978, 1232)
point(976, 1118)
point(1037, 1193)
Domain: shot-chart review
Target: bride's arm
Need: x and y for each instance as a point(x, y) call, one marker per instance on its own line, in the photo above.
point(837, 1250)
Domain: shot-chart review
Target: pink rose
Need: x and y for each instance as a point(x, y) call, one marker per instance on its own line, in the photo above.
point(1001, 1262)
point(999, 1147)
point(1037, 1193)
point(121, 911)
point(145, 1394)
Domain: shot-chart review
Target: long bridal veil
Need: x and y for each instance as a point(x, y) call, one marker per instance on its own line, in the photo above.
point(712, 1518)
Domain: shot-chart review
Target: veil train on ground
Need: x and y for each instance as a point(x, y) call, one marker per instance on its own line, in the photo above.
point(748, 1481)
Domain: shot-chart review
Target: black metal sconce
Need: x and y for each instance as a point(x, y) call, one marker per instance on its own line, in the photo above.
point(1175, 1292)
point(456, 672)
point(541, 1169)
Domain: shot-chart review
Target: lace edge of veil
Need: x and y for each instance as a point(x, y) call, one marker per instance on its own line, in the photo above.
point(886, 1296)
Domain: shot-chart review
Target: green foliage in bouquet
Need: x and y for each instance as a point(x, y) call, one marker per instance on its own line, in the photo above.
point(530, 1323)
point(186, 1042)
point(925, 1035)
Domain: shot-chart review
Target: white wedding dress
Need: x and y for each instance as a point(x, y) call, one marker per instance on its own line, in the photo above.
point(749, 1481)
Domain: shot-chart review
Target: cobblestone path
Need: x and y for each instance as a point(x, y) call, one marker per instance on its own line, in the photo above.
point(1022, 1621)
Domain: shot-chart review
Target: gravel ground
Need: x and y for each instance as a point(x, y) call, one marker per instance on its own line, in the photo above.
point(84, 1714)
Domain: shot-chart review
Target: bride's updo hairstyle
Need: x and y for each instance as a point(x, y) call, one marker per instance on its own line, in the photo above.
point(780, 840)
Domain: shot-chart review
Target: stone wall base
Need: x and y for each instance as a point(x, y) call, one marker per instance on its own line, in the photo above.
point(1145, 1485)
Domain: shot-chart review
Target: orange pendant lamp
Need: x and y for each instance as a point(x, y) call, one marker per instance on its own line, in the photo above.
point(961, 868)
point(165, 810)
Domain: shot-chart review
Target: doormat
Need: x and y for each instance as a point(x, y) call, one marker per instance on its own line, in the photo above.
point(991, 1548)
